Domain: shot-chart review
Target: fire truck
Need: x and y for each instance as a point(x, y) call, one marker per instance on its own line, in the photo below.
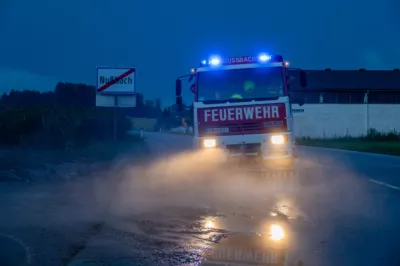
point(242, 109)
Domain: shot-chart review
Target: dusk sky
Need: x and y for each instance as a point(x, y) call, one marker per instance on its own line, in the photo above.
point(45, 41)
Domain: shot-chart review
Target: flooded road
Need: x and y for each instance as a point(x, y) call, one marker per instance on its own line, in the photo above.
point(334, 215)
point(177, 210)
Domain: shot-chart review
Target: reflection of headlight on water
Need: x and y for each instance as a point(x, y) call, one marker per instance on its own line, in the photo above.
point(276, 232)
point(209, 224)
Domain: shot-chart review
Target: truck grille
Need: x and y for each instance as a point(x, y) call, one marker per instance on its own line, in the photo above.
point(244, 148)
point(239, 129)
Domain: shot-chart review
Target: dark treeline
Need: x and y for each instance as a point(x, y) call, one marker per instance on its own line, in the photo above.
point(64, 95)
point(64, 117)
point(71, 95)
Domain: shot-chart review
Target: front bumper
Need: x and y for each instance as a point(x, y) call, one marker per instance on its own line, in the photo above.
point(241, 153)
point(249, 149)
point(272, 161)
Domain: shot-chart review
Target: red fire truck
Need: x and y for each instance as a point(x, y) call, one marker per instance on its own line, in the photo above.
point(242, 108)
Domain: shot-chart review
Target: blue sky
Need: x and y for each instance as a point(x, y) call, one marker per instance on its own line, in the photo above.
point(44, 41)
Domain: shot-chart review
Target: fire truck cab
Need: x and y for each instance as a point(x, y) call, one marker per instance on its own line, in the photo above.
point(242, 108)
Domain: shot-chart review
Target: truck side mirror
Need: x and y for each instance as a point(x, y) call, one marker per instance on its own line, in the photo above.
point(290, 80)
point(179, 101)
point(193, 88)
point(303, 79)
point(178, 88)
point(297, 98)
point(300, 102)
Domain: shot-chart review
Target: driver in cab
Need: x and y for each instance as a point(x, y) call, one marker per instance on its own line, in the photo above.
point(249, 91)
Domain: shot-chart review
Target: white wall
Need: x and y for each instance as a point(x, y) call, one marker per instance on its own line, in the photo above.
point(336, 120)
point(182, 129)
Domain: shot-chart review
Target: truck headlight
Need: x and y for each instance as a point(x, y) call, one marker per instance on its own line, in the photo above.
point(276, 232)
point(209, 143)
point(278, 139)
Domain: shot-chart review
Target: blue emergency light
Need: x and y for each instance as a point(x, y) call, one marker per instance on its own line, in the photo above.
point(264, 58)
point(215, 61)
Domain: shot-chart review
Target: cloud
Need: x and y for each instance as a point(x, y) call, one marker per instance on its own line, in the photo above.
point(4, 4)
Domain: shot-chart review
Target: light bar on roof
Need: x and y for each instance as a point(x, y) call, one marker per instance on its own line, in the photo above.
point(216, 61)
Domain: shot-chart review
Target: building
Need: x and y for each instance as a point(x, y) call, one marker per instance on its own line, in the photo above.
point(342, 103)
point(341, 86)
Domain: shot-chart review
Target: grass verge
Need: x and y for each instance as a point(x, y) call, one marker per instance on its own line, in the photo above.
point(362, 145)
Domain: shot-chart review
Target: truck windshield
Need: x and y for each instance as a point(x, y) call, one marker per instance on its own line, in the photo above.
point(248, 83)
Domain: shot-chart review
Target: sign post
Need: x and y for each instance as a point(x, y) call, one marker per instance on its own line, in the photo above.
point(115, 87)
point(115, 118)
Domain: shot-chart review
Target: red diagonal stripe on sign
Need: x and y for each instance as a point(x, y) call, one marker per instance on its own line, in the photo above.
point(107, 85)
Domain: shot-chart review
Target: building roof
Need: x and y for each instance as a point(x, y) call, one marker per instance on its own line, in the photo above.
point(348, 79)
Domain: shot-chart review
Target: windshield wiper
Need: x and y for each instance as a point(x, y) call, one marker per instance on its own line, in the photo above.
point(267, 98)
point(241, 100)
point(215, 101)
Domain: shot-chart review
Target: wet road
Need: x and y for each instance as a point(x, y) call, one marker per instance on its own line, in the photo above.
point(174, 210)
point(345, 211)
